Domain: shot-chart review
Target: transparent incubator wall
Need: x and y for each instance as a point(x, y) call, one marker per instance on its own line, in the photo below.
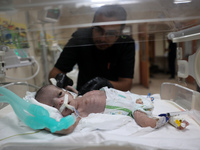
point(36, 31)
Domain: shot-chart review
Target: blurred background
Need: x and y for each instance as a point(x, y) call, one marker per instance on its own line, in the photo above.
point(36, 31)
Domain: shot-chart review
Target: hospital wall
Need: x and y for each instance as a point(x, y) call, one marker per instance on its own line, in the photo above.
point(61, 34)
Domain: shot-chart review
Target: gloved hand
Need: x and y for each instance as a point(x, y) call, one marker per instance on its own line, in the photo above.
point(63, 80)
point(94, 84)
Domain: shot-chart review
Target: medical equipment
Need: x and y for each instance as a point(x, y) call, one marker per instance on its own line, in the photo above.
point(102, 131)
point(174, 119)
point(33, 115)
point(3, 50)
point(178, 122)
point(178, 113)
point(13, 58)
point(72, 108)
point(8, 84)
point(185, 35)
point(49, 14)
point(191, 67)
point(160, 17)
point(186, 98)
point(17, 58)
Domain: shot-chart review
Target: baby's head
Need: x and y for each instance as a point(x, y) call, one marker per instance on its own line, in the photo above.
point(54, 96)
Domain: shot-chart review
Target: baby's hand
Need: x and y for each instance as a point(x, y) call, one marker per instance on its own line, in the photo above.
point(183, 125)
point(178, 123)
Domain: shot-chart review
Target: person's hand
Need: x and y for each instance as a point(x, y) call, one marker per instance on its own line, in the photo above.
point(95, 84)
point(63, 80)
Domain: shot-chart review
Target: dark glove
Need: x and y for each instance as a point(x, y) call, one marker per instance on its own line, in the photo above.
point(63, 80)
point(94, 84)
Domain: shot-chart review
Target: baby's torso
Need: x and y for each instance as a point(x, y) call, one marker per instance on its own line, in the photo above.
point(112, 101)
point(92, 102)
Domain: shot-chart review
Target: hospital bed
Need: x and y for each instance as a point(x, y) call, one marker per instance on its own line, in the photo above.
point(112, 132)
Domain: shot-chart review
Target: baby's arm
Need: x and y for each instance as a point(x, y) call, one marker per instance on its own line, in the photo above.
point(143, 120)
point(68, 130)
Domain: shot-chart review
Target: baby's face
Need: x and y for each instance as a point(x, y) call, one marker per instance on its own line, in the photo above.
point(55, 98)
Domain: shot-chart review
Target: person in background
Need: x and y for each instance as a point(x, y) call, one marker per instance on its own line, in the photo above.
point(172, 58)
point(105, 57)
point(198, 88)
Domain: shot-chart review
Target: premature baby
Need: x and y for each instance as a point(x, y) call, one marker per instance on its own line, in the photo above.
point(106, 100)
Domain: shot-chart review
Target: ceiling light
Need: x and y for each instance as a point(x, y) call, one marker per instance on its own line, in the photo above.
point(182, 1)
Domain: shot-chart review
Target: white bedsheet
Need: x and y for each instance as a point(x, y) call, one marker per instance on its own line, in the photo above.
point(108, 131)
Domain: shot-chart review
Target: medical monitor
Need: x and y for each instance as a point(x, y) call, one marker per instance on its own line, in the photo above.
point(17, 58)
point(50, 15)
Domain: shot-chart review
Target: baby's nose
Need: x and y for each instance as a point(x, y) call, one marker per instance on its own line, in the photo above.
point(58, 103)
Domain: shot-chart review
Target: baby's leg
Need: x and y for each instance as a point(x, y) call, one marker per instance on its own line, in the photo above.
point(143, 120)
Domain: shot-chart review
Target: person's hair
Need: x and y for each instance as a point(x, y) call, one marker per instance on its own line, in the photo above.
point(112, 11)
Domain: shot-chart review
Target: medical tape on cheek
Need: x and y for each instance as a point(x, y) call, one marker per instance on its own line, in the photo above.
point(65, 104)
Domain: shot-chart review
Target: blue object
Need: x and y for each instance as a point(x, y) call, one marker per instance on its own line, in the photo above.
point(152, 98)
point(149, 95)
point(165, 115)
point(33, 115)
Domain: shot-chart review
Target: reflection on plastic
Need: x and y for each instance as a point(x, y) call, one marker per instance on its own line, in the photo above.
point(33, 115)
point(191, 67)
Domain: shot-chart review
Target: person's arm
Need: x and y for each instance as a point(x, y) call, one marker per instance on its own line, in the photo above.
point(123, 84)
point(54, 72)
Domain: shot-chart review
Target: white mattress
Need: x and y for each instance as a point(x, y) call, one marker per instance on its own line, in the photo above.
point(124, 133)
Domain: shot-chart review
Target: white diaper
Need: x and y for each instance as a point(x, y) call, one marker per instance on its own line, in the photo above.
point(124, 103)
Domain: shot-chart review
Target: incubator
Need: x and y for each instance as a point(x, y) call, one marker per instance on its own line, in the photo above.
point(191, 67)
point(33, 33)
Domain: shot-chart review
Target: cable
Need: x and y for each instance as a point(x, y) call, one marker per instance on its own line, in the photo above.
point(28, 78)
point(20, 135)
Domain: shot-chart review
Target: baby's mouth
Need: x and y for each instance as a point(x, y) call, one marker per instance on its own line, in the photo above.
point(66, 105)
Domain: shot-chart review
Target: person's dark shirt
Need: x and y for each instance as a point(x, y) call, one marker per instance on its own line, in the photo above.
point(116, 61)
